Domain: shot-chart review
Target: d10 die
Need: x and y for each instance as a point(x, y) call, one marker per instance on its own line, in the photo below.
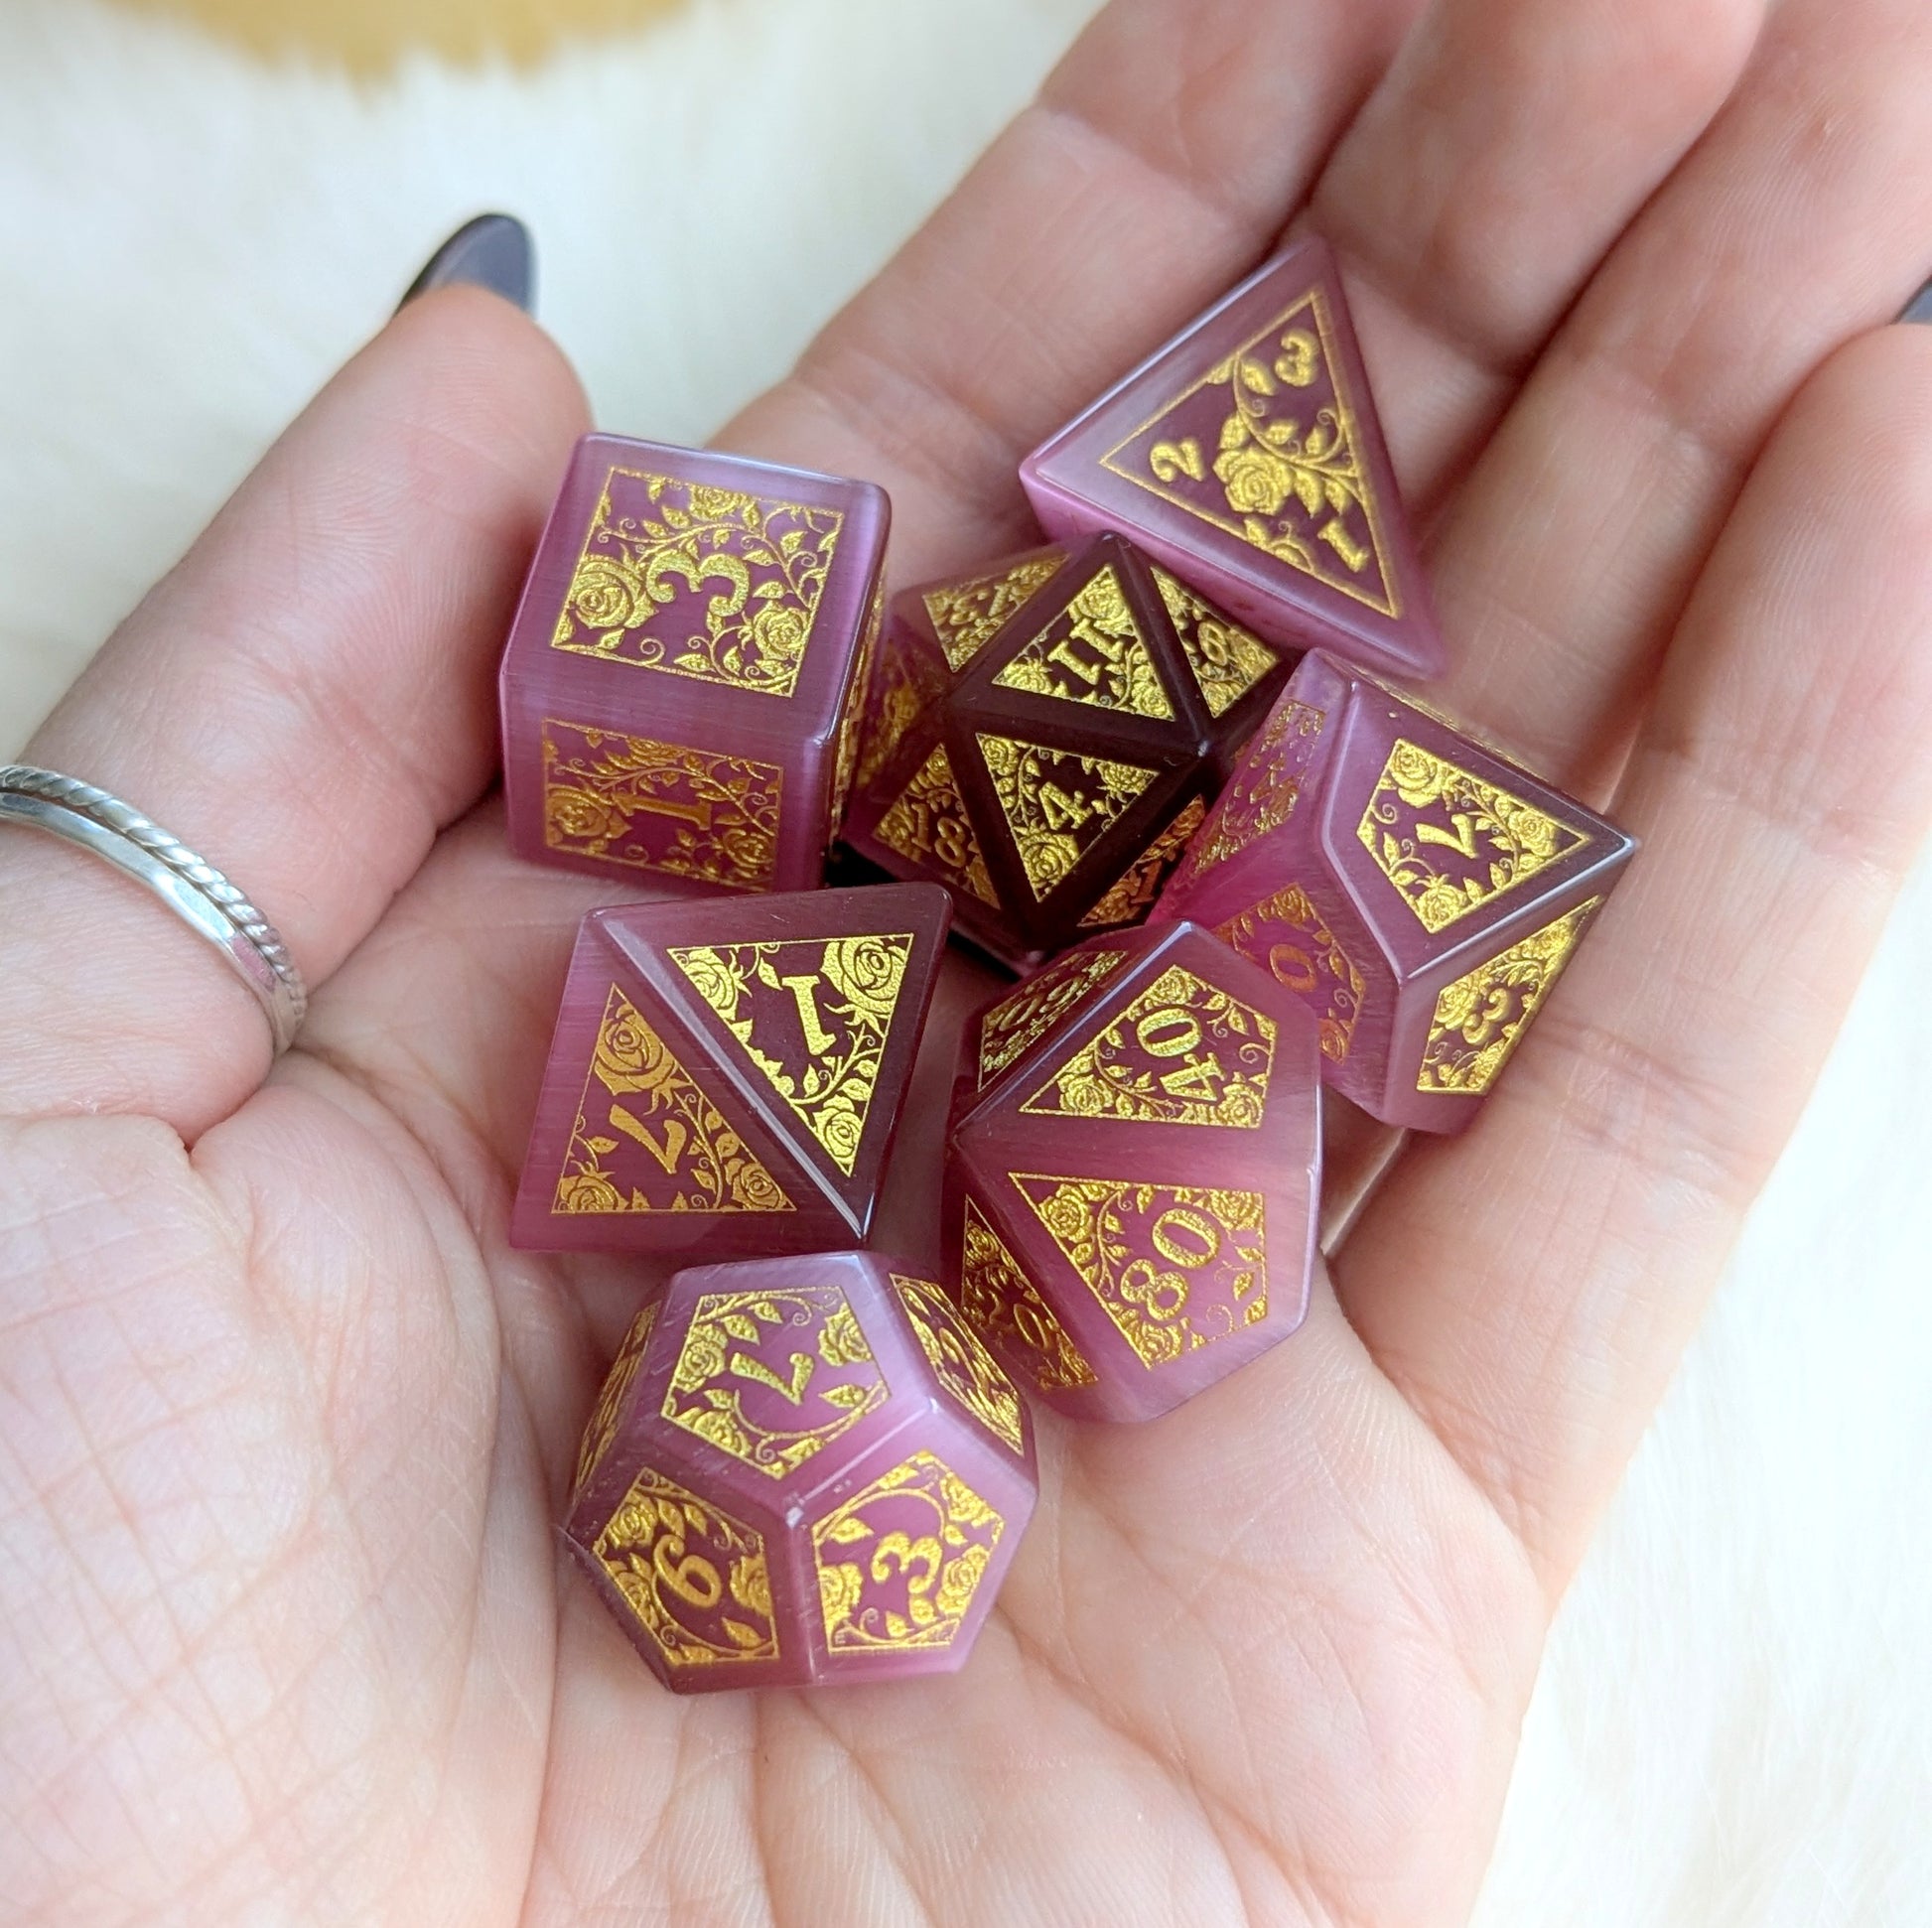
point(1420, 892)
point(1052, 779)
point(1132, 1172)
point(683, 684)
point(729, 1076)
point(1246, 455)
point(803, 1470)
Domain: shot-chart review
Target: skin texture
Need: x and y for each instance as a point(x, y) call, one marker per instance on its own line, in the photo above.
point(285, 1426)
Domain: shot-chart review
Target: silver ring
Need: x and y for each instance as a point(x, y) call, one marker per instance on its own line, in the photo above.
point(63, 806)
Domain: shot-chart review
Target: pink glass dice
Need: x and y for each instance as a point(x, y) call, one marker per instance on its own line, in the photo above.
point(682, 689)
point(803, 1470)
point(726, 1077)
point(1247, 457)
point(1417, 890)
point(1132, 1172)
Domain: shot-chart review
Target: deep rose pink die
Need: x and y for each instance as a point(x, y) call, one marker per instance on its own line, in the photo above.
point(1420, 891)
point(1246, 455)
point(726, 1077)
point(686, 674)
point(1132, 1172)
point(803, 1470)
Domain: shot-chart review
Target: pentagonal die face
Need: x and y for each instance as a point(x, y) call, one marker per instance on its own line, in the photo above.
point(1418, 891)
point(683, 685)
point(1071, 750)
point(1133, 1174)
point(1247, 457)
point(803, 1470)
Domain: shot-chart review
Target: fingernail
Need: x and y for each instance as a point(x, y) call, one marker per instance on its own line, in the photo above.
point(1919, 308)
point(491, 251)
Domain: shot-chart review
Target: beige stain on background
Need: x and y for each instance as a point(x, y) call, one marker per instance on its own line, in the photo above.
point(370, 36)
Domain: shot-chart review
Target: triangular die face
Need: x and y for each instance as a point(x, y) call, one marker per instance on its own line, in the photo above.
point(1092, 652)
point(1057, 804)
point(1272, 447)
point(647, 1139)
point(1132, 896)
point(1010, 1029)
point(812, 1016)
point(1183, 1052)
point(1449, 840)
point(966, 615)
point(1225, 659)
point(927, 825)
point(1174, 1267)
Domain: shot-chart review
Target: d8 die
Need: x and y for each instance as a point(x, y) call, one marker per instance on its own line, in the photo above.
point(803, 1470)
point(1133, 1169)
point(1055, 778)
point(1420, 892)
point(730, 1075)
point(683, 684)
point(1247, 457)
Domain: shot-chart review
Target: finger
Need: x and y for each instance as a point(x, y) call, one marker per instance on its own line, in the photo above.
point(1161, 160)
point(303, 702)
point(1801, 219)
point(1531, 1285)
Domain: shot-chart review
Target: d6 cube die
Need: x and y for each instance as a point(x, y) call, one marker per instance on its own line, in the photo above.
point(1418, 891)
point(683, 685)
point(803, 1470)
point(1246, 455)
point(1051, 776)
point(730, 1074)
point(1133, 1170)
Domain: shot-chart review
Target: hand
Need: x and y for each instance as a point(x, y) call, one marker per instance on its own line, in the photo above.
point(284, 1424)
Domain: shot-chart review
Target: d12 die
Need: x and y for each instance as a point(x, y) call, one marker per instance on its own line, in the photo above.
point(1054, 781)
point(1246, 455)
point(730, 1075)
point(1132, 1172)
point(803, 1470)
point(685, 677)
point(1418, 891)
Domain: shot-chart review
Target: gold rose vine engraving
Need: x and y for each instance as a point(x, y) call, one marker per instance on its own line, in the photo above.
point(1480, 1019)
point(1174, 1267)
point(814, 1015)
point(852, 718)
point(927, 824)
point(1132, 896)
point(772, 1377)
point(1449, 842)
point(966, 615)
point(1264, 796)
point(1057, 804)
point(658, 1144)
point(1284, 934)
point(1226, 660)
point(900, 1562)
point(603, 1427)
point(1012, 1027)
point(695, 1578)
point(967, 1370)
point(1092, 652)
point(1002, 1306)
point(660, 806)
point(708, 582)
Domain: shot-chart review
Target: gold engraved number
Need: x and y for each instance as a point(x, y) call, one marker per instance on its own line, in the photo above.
point(1172, 460)
point(1300, 361)
point(1183, 1238)
point(1173, 1033)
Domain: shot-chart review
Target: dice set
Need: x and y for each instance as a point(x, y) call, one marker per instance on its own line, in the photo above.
point(1149, 764)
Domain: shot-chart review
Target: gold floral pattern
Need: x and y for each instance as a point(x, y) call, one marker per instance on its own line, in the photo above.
point(1226, 660)
point(1183, 1052)
point(814, 1015)
point(927, 824)
point(1133, 894)
point(962, 1364)
point(966, 615)
point(1480, 1019)
point(1449, 842)
point(1266, 789)
point(1004, 1306)
point(905, 684)
point(852, 718)
point(773, 1377)
point(900, 1562)
point(658, 1144)
point(603, 1426)
point(1057, 804)
point(1016, 1024)
point(1284, 934)
point(702, 581)
point(1091, 652)
point(660, 806)
point(1174, 1267)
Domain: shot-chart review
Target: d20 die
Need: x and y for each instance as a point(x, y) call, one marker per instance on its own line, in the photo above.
point(1419, 892)
point(684, 682)
point(1247, 457)
point(1133, 1170)
point(1055, 778)
point(729, 1076)
point(803, 1470)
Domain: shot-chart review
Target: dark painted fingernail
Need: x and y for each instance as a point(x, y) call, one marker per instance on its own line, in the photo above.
point(492, 251)
point(1919, 308)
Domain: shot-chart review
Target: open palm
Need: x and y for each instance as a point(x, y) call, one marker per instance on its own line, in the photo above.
point(285, 1425)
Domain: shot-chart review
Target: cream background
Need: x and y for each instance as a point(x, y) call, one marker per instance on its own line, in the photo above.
point(1734, 1725)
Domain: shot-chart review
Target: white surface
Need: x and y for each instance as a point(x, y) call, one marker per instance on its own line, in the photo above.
point(1734, 1725)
